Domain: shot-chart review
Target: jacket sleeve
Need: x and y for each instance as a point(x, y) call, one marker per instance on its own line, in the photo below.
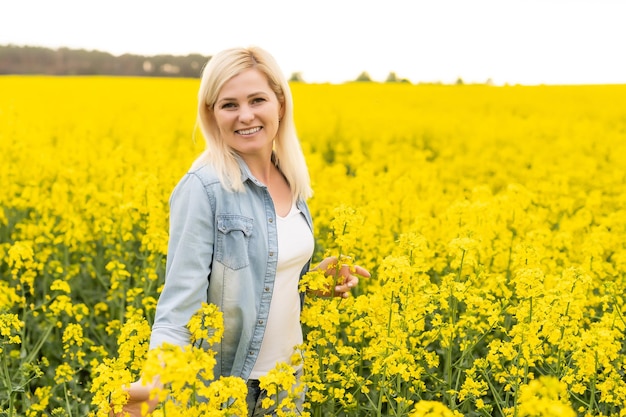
point(190, 252)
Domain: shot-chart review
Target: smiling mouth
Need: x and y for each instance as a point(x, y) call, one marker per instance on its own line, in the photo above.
point(248, 131)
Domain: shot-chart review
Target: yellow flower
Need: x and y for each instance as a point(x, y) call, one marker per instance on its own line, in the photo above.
point(64, 373)
point(10, 324)
point(73, 335)
point(8, 296)
point(39, 401)
point(61, 304)
point(432, 409)
point(60, 285)
point(282, 389)
point(207, 324)
point(227, 393)
point(495, 242)
point(316, 281)
point(473, 387)
point(20, 254)
point(545, 397)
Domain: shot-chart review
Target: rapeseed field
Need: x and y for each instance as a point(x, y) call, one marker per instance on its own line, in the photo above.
point(493, 220)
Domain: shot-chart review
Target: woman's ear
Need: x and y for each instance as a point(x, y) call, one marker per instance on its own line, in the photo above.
point(281, 112)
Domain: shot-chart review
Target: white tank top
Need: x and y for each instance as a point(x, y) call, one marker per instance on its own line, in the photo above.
point(284, 331)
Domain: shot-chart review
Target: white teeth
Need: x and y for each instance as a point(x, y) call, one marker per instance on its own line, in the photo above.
point(249, 131)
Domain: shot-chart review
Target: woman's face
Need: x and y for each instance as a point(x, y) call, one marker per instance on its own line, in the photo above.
point(247, 114)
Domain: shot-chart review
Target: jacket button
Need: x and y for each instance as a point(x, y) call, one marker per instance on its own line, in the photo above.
point(270, 220)
point(267, 289)
point(260, 321)
point(271, 253)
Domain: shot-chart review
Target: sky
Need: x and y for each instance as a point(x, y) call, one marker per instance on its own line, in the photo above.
point(507, 41)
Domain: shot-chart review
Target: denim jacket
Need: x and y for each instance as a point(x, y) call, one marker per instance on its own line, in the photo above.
point(223, 249)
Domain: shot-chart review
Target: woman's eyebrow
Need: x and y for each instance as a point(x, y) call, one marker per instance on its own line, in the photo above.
point(248, 96)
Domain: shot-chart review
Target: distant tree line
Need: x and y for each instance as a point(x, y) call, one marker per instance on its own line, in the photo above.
point(65, 61)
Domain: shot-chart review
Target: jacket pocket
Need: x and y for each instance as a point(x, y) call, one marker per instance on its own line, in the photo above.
point(233, 239)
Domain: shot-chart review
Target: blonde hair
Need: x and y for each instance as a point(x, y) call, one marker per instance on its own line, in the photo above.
point(287, 150)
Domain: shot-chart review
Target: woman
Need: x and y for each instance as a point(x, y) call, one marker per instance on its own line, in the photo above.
point(240, 230)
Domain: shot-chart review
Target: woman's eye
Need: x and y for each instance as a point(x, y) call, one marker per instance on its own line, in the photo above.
point(228, 105)
point(258, 100)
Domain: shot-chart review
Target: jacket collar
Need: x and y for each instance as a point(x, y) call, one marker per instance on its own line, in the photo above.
point(246, 174)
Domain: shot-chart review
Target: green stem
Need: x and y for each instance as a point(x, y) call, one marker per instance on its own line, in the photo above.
point(592, 389)
point(337, 270)
point(379, 407)
point(471, 347)
point(451, 398)
point(498, 399)
point(9, 385)
point(559, 347)
point(510, 261)
point(67, 400)
point(40, 342)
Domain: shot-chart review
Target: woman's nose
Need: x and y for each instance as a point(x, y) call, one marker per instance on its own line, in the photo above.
point(245, 114)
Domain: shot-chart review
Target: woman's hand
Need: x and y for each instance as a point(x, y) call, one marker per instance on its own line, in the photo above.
point(345, 276)
point(139, 394)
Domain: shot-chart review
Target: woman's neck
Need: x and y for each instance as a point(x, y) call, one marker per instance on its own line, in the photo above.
point(261, 167)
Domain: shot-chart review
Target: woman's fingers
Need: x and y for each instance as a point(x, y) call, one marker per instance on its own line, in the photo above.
point(362, 271)
point(349, 279)
point(345, 275)
point(139, 394)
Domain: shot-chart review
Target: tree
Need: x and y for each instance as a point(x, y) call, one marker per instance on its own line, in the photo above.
point(364, 77)
point(66, 61)
point(392, 78)
point(296, 77)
